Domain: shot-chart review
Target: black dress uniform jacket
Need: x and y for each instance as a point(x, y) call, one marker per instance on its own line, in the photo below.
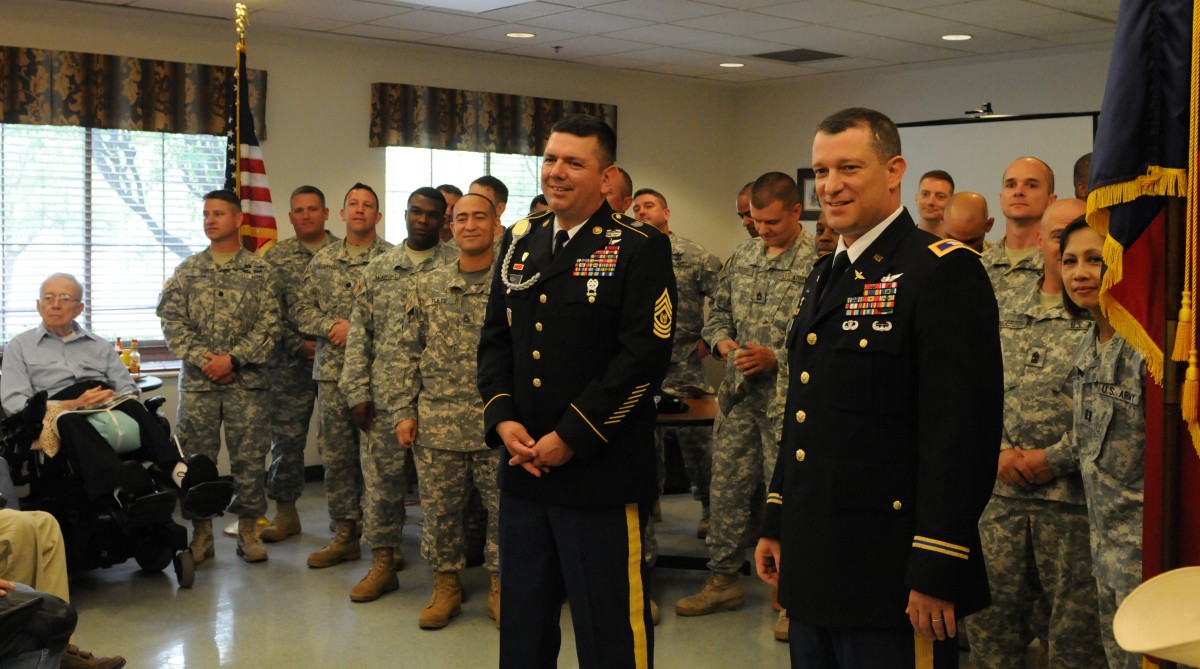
point(890, 435)
point(580, 352)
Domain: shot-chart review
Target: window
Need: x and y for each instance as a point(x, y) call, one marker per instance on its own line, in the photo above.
point(118, 209)
point(409, 168)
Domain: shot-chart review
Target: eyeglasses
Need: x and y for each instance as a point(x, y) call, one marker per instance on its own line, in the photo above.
point(65, 298)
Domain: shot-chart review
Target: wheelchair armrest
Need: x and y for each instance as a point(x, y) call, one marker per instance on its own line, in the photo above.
point(153, 404)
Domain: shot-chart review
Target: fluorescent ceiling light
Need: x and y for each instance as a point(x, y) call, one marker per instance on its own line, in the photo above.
point(520, 35)
point(733, 65)
point(956, 38)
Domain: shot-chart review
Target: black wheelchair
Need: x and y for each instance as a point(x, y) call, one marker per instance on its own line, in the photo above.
point(100, 534)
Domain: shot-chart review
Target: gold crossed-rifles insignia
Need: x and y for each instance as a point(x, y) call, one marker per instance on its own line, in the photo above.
point(662, 316)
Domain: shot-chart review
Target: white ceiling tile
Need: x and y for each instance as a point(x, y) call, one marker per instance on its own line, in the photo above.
point(823, 11)
point(664, 34)
point(499, 33)
point(739, 23)
point(980, 11)
point(677, 56)
point(525, 11)
point(347, 11)
point(578, 47)
point(1101, 36)
point(912, 4)
point(742, 4)
point(218, 8)
point(846, 64)
point(904, 26)
point(586, 21)
point(435, 22)
point(739, 76)
point(1050, 24)
point(662, 11)
point(460, 42)
point(385, 33)
point(736, 46)
point(284, 20)
point(1104, 9)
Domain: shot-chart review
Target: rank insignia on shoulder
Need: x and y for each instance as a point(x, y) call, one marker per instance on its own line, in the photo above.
point(944, 246)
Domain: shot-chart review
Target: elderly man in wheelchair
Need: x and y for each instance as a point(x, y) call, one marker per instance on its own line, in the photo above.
point(120, 453)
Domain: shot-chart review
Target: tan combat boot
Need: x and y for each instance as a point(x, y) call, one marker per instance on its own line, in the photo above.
point(782, 626)
point(286, 523)
point(202, 541)
point(342, 548)
point(720, 591)
point(444, 604)
point(249, 548)
point(380, 578)
point(397, 559)
point(493, 602)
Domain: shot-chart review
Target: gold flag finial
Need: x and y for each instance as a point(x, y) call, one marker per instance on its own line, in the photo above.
point(242, 19)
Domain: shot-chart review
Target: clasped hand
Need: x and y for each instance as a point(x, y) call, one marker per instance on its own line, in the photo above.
point(534, 456)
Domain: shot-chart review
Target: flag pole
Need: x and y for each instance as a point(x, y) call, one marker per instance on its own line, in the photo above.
point(241, 20)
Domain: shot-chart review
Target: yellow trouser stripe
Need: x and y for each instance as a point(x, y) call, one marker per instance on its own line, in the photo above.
point(637, 613)
point(922, 652)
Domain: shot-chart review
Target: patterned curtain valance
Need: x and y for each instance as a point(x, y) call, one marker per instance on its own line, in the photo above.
point(44, 87)
point(445, 118)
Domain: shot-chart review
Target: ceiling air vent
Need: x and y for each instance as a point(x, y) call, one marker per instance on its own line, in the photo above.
point(798, 55)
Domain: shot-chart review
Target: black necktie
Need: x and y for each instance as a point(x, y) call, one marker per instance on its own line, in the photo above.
point(840, 262)
point(560, 240)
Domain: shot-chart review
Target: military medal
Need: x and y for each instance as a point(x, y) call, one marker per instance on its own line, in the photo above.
point(878, 299)
point(601, 263)
point(592, 285)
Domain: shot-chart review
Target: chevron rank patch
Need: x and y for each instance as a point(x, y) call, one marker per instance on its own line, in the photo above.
point(663, 315)
point(942, 247)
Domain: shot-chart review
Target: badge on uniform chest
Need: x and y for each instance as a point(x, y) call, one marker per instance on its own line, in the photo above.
point(878, 299)
point(1036, 357)
point(600, 263)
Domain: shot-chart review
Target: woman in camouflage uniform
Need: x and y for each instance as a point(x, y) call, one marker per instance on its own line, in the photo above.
point(1108, 434)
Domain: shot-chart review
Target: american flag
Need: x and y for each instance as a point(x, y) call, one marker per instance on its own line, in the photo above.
point(245, 172)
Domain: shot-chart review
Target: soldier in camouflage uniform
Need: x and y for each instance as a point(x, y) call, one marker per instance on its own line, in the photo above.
point(1035, 528)
point(220, 317)
point(696, 280)
point(322, 311)
point(376, 327)
point(1107, 437)
point(293, 390)
point(431, 386)
point(1026, 189)
point(757, 293)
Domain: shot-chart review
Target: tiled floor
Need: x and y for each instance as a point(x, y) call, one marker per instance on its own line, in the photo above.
point(283, 614)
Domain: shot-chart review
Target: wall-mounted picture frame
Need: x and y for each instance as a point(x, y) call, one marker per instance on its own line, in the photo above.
point(806, 180)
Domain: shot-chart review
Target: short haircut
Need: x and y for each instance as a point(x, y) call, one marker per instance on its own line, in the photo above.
point(62, 275)
point(308, 190)
point(361, 186)
point(1083, 167)
point(1049, 172)
point(885, 139)
point(772, 187)
point(431, 193)
point(225, 196)
point(586, 125)
point(450, 189)
point(938, 174)
point(1073, 309)
point(626, 182)
point(650, 191)
point(746, 188)
point(537, 199)
point(491, 205)
point(497, 186)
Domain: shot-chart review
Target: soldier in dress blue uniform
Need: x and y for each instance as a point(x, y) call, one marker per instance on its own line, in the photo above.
point(576, 339)
point(892, 424)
